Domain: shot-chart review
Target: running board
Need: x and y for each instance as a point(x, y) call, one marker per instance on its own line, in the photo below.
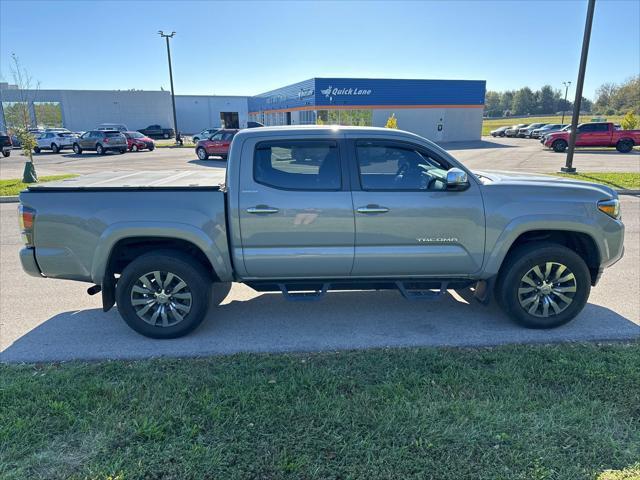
point(303, 296)
point(421, 294)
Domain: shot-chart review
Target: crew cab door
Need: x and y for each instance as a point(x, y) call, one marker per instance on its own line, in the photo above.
point(407, 222)
point(295, 209)
point(593, 134)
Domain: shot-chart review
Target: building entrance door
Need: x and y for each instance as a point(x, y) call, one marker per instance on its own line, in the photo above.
point(229, 120)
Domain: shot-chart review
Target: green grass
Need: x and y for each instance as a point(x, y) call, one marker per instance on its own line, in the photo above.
point(492, 124)
point(521, 412)
point(171, 143)
point(15, 185)
point(626, 180)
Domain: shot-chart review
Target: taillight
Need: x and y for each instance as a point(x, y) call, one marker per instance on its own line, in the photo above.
point(105, 139)
point(26, 217)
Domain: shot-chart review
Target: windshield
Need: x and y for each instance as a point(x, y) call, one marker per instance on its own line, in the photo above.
point(135, 135)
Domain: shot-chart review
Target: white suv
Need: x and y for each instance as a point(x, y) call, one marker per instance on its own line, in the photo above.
point(54, 141)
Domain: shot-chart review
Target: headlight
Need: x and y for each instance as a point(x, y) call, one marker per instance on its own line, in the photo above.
point(610, 207)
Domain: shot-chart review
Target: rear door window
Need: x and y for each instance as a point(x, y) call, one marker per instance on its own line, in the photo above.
point(298, 165)
point(112, 134)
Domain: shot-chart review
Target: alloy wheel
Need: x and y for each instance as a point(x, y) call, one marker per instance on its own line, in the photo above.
point(161, 298)
point(547, 289)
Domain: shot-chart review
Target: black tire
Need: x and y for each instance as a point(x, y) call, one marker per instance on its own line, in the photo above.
point(100, 149)
point(123, 150)
point(202, 153)
point(165, 135)
point(152, 148)
point(55, 148)
point(624, 146)
point(6, 154)
point(36, 149)
point(194, 275)
point(76, 149)
point(521, 261)
point(559, 145)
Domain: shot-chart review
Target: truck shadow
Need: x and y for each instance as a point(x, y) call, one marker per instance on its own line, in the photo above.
point(216, 162)
point(340, 321)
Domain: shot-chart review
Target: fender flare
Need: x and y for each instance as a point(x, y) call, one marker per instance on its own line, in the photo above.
point(528, 223)
point(179, 231)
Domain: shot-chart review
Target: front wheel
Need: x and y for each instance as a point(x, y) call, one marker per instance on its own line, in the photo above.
point(202, 153)
point(76, 149)
point(624, 146)
point(559, 146)
point(163, 294)
point(543, 285)
point(6, 153)
point(151, 148)
point(36, 149)
point(99, 149)
point(55, 148)
point(134, 148)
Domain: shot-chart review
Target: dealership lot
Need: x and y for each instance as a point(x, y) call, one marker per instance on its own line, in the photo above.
point(47, 320)
point(515, 154)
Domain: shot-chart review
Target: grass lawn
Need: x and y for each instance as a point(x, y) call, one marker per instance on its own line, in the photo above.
point(520, 412)
point(491, 124)
point(171, 143)
point(15, 185)
point(628, 180)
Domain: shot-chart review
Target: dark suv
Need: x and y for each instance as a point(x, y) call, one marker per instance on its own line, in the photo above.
point(5, 144)
point(101, 141)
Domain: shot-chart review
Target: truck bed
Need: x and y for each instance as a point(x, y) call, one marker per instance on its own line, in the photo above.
point(153, 180)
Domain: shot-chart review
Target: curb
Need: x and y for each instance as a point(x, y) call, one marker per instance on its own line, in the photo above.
point(16, 199)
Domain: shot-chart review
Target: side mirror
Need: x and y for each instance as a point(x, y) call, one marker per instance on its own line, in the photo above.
point(457, 179)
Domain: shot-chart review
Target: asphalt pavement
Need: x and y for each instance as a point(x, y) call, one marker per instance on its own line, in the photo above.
point(55, 320)
point(513, 154)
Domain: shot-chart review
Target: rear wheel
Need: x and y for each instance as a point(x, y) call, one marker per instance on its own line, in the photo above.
point(202, 153)
point(36, 149)
point(6, 153)
point(99, 149)
point(55, 148)
point(134, 148)
point(163, 294)
point(165, 135)
point(76, 149)
point(543, 285)
point(624, 146)
point(559, 146)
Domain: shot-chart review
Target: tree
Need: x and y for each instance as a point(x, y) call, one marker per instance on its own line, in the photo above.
point(629, 122)
point(506, 102)
point(547, 100)
point(24, 83)
point(524, 101)
point(392, 121)
point(492, 104)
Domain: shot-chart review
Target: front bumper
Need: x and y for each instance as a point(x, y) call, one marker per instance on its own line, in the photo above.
point(28, 261)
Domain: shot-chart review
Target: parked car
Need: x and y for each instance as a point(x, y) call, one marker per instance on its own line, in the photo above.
point(156, 131)
point(204, 134)
point(512, 131)
point(137, 141)
point(6, 145)
point(218, 145)
point(595, 134)
point(113, 126)
point(101, 141)
point(525, 132)
point(544, 136)
point(54, 141)
point(346, 220)
point(59, 130)
point(550, 127)
point(498, 132)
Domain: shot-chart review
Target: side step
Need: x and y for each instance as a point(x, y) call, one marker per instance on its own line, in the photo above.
point(421, 294)
point(303, 296)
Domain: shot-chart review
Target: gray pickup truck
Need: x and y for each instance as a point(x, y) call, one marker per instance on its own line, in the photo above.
point(303, 210)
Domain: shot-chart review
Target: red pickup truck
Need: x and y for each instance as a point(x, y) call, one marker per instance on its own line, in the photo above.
point(595, 134)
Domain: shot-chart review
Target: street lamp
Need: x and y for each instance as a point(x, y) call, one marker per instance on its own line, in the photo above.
point(568, 168)
point(564, 106)
point(167, 36)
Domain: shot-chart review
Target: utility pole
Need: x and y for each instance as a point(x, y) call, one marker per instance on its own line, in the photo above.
point(167, 36)
point(568, 168)
point(564, 106)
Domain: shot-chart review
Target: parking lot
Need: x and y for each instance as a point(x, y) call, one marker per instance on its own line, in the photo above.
point(514, 154)
point(43, 320)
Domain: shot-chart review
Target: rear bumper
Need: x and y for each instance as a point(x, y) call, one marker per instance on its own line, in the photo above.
point(28, 261)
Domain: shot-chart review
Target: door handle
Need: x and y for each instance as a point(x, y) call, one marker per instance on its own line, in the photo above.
point(262, 209)
point(372, 209)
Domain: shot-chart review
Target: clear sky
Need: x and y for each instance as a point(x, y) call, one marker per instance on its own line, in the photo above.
point(245, 48)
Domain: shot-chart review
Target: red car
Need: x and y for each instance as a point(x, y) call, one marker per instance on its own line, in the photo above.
point(137, 141)
point(595, 134)
point(217, 145)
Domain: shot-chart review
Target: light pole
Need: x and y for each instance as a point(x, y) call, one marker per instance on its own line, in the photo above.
point(564, 106)
point(568, 168)
point(167, 36)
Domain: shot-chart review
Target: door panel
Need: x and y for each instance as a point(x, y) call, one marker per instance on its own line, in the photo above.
point(407, 222)
point(296, 220)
